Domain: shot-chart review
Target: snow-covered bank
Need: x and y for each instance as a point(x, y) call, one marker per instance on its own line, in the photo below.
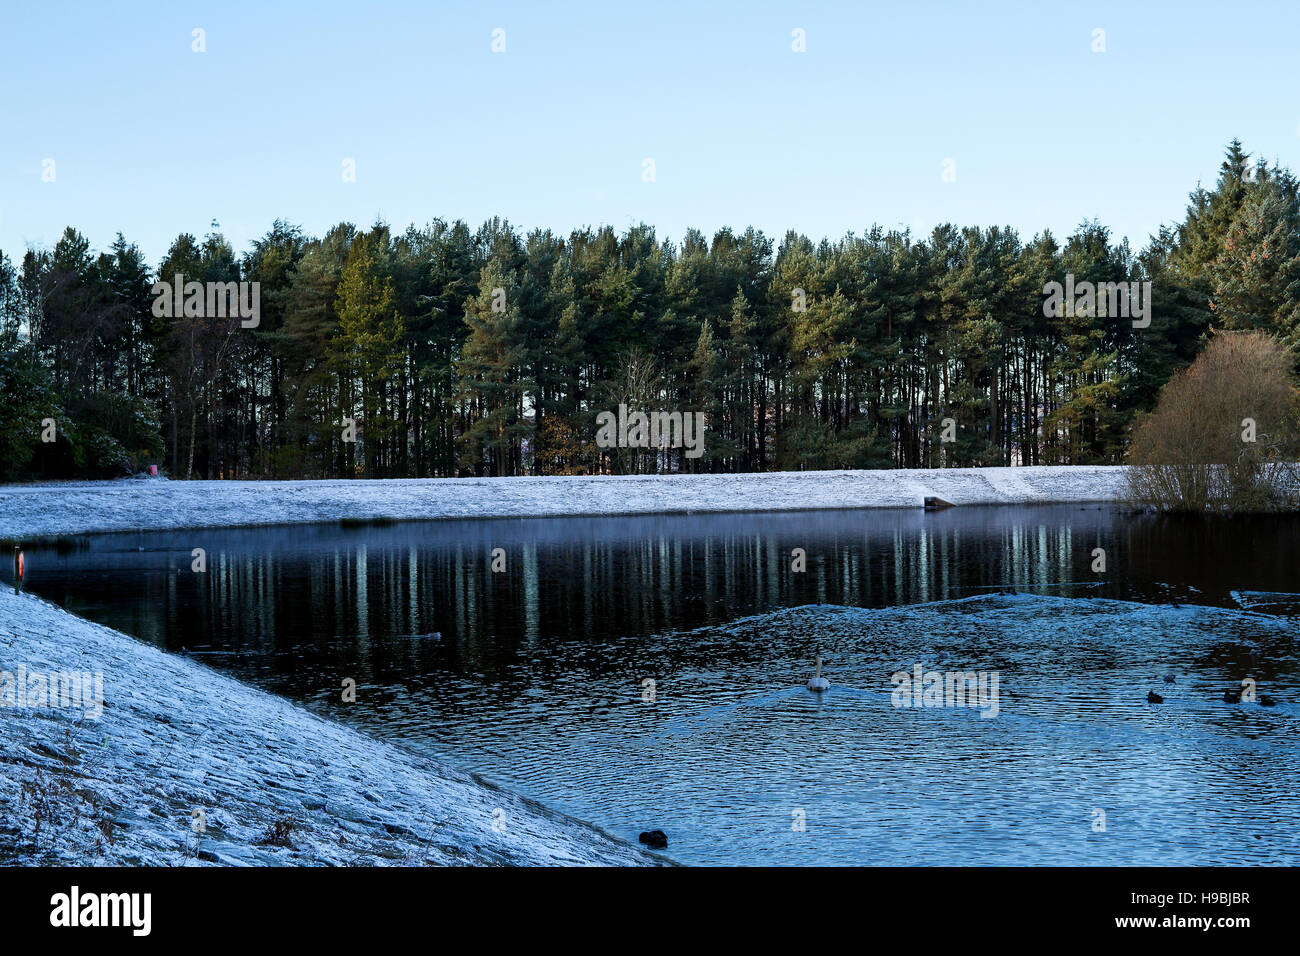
point(180, 749)
point(28, 511)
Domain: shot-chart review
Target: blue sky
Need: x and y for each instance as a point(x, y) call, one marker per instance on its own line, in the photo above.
point(152, 139)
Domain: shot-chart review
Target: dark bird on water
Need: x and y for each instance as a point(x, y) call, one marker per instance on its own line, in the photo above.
point(655, 839)
point(1232, 697)
point(1154, 698)
point(1170, 679)
point(1266, 701)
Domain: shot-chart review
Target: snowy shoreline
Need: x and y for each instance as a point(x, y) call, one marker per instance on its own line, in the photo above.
point(48, 510)
point(180, 748)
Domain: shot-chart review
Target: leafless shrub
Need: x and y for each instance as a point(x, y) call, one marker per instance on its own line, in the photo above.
point(1195, 453)
point(638, 384)
point(278, 833)
point(52, 803)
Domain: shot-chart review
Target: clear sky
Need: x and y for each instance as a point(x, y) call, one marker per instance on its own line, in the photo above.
point(152, 139)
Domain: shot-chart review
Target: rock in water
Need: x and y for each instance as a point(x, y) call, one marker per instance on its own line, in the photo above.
point(655, 839)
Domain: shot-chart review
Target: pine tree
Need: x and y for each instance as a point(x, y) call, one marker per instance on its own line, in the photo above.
point(493, 385)
point(366, 350)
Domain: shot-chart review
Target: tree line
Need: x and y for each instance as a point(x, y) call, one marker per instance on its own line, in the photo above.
point(447, 350)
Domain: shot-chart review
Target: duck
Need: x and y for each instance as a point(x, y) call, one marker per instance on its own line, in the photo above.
point(1232, 696)
point(1170, 679)
point(1154, 698)
point(655, 839)
point(817, 682)
point(1266, 701)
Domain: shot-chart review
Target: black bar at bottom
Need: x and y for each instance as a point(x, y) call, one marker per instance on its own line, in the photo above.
point(1228, 905)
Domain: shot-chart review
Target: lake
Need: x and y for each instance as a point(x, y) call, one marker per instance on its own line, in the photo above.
point(539, 675)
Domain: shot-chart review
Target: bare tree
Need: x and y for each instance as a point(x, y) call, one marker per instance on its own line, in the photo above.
point(1223, 435)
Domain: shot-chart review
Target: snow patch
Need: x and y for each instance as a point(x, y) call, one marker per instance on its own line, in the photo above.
point(189, 767)
point(41, 510)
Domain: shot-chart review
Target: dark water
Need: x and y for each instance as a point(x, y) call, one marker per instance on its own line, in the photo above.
point(537, 675)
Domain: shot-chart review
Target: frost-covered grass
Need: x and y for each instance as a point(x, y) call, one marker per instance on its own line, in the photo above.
point(37, 510)
point(274, 784)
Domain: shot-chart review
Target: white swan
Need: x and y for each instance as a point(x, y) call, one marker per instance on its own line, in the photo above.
point(817, 682)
